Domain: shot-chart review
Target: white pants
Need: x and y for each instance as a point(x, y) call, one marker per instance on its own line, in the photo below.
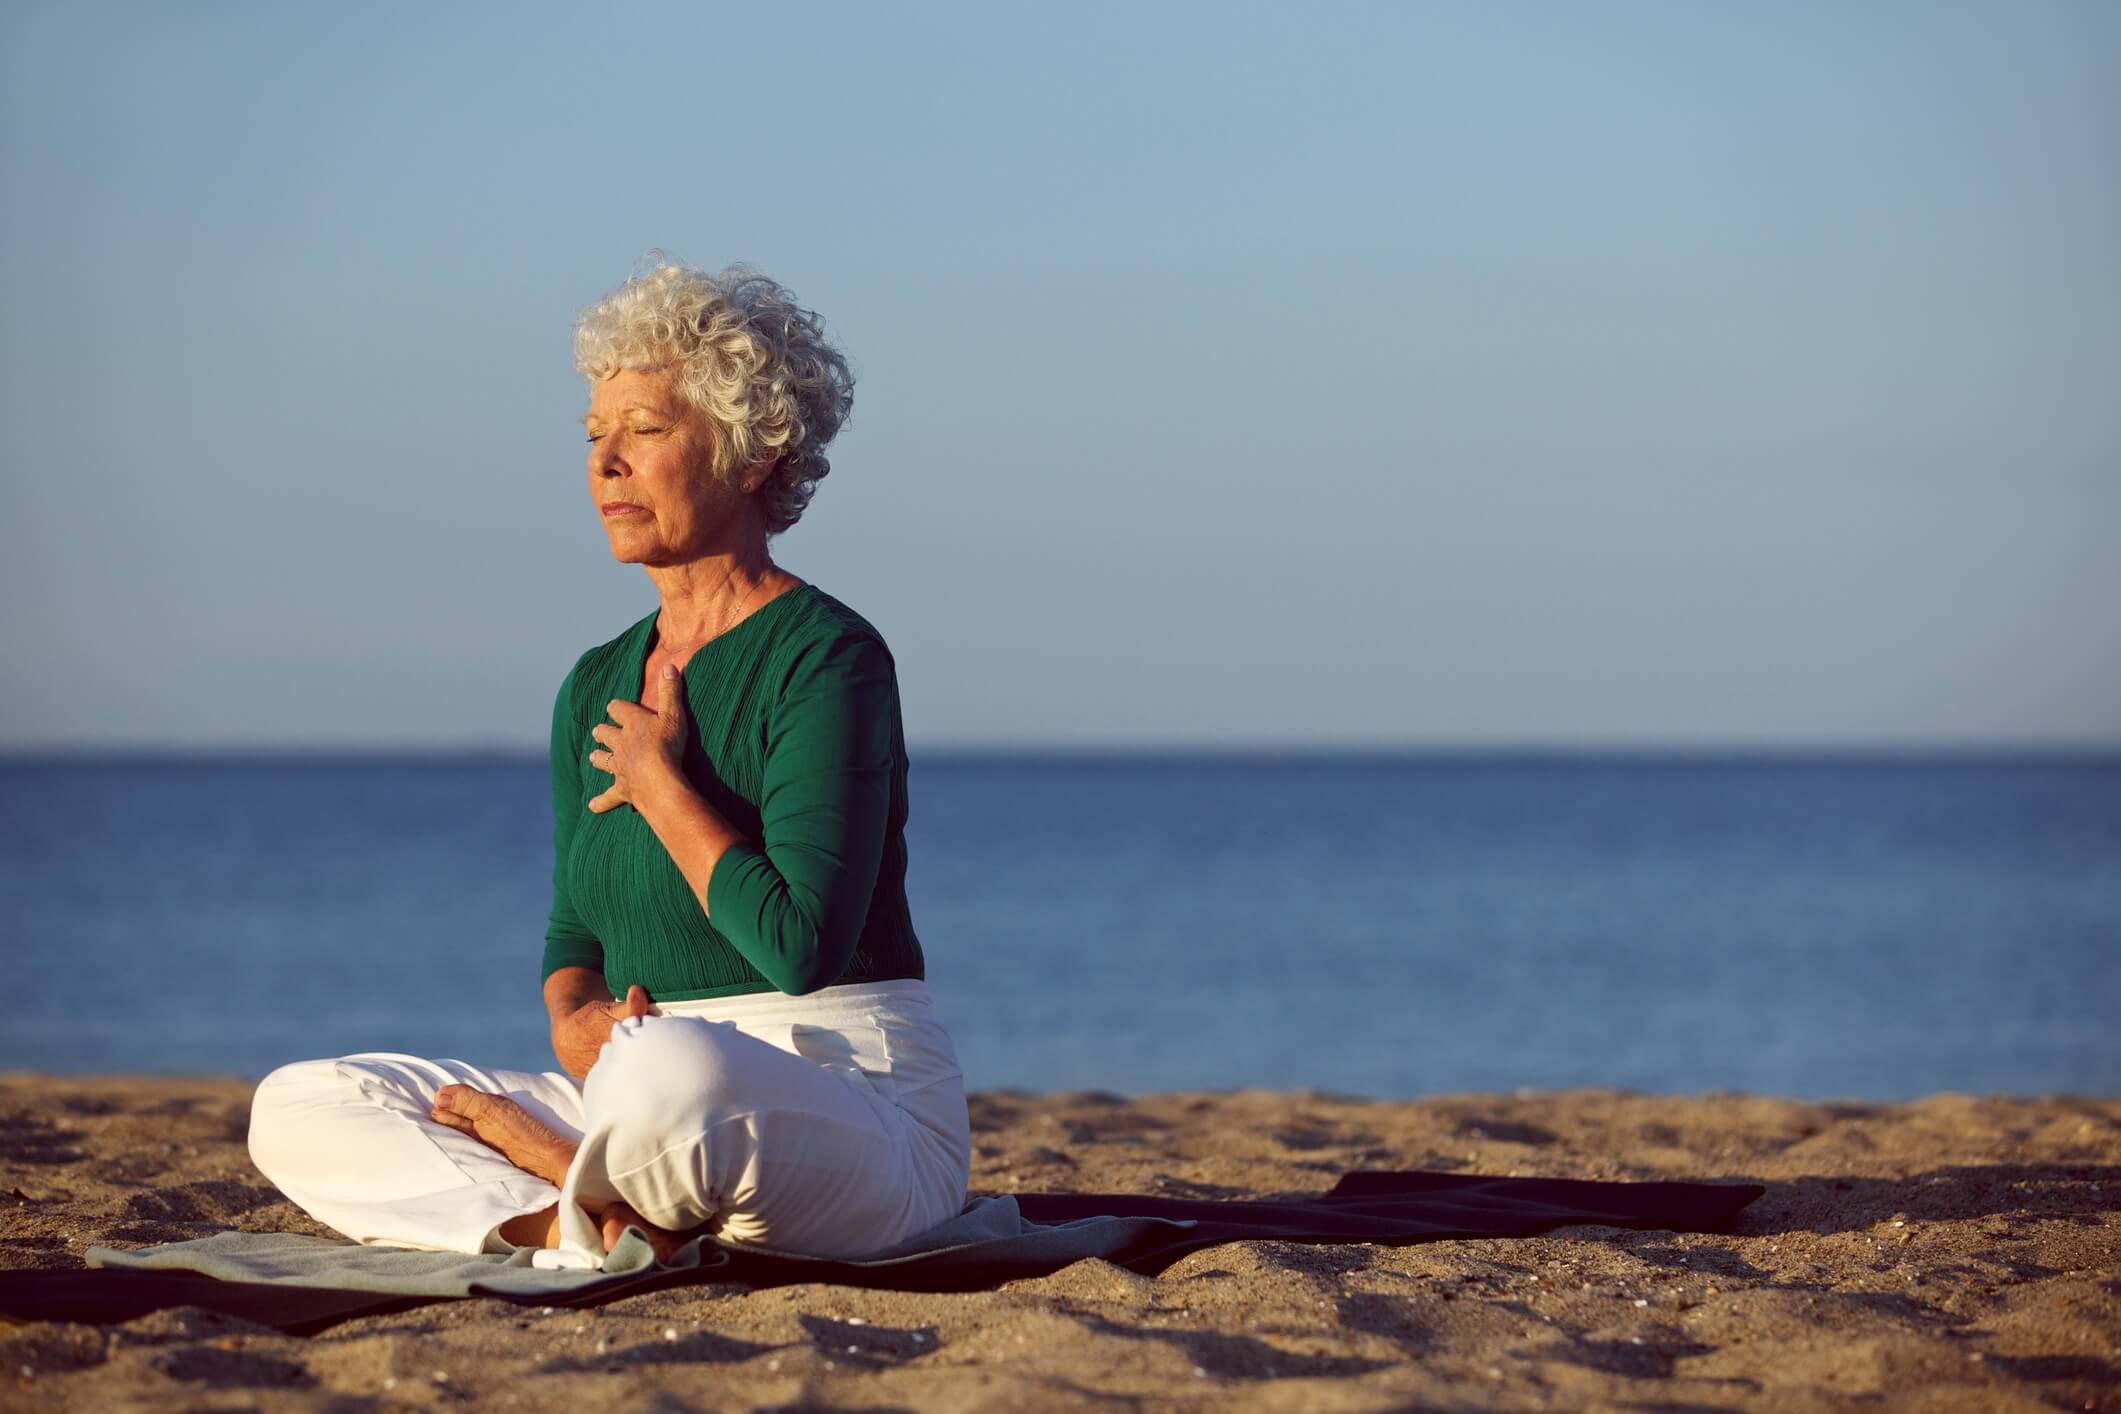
point(831, 1124)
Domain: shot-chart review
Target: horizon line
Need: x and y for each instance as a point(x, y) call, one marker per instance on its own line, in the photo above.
point(1121, 751)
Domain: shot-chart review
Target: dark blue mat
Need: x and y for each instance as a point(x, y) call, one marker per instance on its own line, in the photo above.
point(1392, 1208)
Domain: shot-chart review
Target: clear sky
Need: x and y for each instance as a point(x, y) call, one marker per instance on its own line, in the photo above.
point(1437, 375)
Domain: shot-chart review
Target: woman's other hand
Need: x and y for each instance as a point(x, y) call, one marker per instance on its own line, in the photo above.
point(578, 1036)
point(645, 750)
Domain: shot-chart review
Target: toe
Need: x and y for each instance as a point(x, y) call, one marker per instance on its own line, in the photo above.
point(472, 1104)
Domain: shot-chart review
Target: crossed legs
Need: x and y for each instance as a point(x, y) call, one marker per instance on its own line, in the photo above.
point(683, 1125)
point(542, 1151)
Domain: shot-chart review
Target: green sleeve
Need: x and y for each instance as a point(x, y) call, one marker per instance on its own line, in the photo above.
point(795, 908)
point(568, 941)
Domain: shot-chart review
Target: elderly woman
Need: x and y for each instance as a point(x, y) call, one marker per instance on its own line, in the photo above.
point(746, 1043)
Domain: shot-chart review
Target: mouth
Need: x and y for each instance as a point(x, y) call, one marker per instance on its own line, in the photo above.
point(623, 508)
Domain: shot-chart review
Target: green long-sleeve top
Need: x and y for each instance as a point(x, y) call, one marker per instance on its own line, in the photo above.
point(797, 742)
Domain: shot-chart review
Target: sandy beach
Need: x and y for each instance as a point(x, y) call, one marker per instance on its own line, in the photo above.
point(1955, 1253)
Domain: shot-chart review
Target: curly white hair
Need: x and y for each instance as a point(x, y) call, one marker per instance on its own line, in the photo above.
point(747, 355)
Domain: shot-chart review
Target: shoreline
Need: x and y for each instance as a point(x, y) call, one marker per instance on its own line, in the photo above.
point(1956, 1251)
point(26, 1076)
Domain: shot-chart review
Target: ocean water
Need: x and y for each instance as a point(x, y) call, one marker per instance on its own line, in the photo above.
point(1874, 928)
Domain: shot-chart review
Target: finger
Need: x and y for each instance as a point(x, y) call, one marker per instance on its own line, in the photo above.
point(618, 708)
point(637, 1000)
point(670, 694)
point(600, 728)
point(607, 764)
point(610, 800)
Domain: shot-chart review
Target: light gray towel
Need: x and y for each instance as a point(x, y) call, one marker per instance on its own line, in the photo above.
point(989, 1233)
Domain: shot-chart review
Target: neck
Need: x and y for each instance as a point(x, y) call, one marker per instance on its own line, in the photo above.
point(703, 598)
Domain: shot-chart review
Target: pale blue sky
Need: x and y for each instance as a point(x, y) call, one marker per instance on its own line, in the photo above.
point(1416, 375)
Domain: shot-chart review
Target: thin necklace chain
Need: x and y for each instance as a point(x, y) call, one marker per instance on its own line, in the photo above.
point(734, 615)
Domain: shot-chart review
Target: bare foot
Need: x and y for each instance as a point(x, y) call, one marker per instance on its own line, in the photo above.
point(619, 1216)
point(535, 1147)
point(539, 1229)
point(499, 1122)
point(542, 1229)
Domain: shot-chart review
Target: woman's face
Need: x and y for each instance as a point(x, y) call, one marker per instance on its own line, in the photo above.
point(651, 471)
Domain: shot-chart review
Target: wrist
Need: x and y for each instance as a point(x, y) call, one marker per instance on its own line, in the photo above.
point(664, 800)
point(691, 831)
point(568, 990)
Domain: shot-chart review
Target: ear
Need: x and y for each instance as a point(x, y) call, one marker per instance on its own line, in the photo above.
point(756, 476)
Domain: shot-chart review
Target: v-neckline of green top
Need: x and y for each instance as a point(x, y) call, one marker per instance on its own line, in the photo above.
point(647, 636)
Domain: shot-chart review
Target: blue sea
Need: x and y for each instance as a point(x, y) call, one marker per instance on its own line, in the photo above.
point(1864, 927)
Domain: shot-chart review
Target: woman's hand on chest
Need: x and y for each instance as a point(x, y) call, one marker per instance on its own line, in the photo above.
point(643, 747)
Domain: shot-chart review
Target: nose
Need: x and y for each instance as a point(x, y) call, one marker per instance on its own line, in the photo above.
point(604, 459)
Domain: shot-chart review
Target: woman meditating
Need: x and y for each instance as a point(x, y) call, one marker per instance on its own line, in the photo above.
point(746, 1043)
